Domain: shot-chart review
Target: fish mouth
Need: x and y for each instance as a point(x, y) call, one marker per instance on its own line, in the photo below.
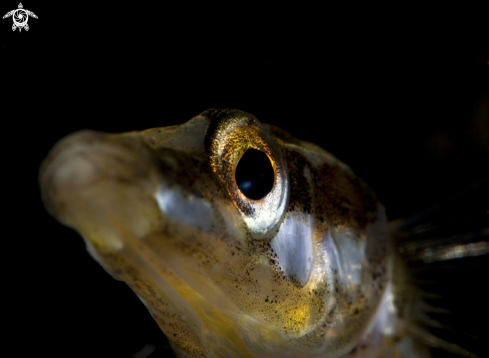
point(140, 226)
point(85, 181)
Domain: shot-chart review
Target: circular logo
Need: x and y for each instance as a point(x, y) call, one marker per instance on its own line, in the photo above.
point(20, 17)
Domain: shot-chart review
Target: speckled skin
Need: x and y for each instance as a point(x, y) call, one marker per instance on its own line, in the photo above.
point(207, 269)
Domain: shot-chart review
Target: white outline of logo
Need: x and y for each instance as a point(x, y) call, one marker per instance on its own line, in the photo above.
point(20, 17)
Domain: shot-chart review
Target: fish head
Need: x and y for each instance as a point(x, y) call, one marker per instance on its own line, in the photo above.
point(240, 239)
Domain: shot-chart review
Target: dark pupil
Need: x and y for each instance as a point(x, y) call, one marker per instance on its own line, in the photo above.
point(254, 174)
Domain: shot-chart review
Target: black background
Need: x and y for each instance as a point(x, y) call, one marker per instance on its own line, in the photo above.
point(401, 95)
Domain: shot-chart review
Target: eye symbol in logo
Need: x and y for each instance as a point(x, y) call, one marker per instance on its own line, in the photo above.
point(20, 17)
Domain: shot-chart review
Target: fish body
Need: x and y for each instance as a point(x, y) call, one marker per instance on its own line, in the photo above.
point(241, 240)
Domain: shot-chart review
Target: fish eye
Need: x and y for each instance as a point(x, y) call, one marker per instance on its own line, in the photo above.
point(254, 174)
point(251, 166)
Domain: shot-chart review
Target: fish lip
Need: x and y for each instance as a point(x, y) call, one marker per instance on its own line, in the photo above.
point(87, 159)
point(107, 155)
point(57, 157)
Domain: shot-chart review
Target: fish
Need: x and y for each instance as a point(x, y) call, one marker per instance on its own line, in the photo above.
point(243, 241)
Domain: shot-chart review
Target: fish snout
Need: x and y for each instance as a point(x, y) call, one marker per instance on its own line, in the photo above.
point(93, 181)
